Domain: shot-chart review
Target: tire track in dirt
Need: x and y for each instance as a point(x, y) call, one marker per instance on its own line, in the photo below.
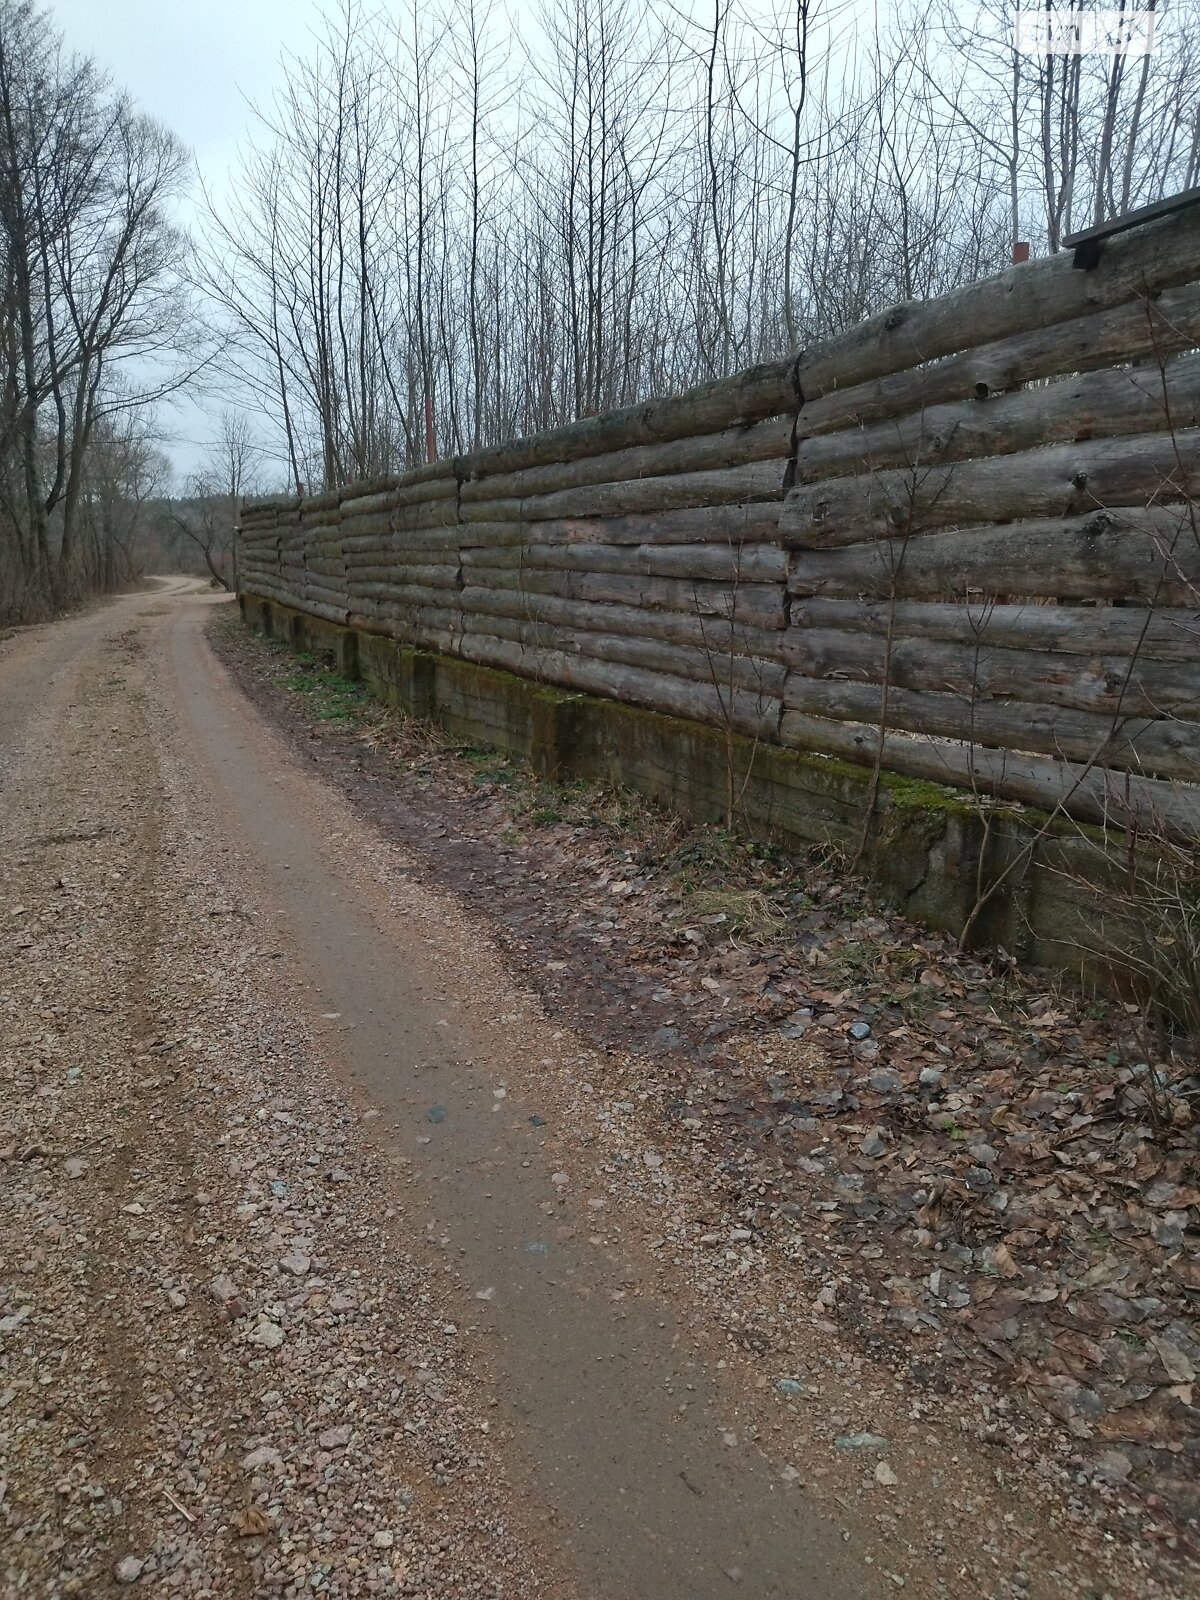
point(150, 1433)
point(93, 1181)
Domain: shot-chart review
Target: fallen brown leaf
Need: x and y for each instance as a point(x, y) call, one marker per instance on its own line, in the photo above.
point(250, 1523)
point(1003, 1262)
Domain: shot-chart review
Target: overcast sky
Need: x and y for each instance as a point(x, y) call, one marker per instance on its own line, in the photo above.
point(193, 64)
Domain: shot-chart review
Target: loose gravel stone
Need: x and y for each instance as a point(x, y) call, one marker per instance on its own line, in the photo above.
point(134, 1409)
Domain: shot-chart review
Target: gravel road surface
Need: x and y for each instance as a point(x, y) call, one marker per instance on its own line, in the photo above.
point(331, 1264)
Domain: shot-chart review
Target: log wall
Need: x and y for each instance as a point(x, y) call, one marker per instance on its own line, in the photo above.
point(962, 539)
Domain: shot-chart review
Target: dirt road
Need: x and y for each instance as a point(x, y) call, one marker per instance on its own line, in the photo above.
point(333, 1265)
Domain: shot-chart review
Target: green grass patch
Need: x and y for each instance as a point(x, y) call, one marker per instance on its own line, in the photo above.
point(326, 695)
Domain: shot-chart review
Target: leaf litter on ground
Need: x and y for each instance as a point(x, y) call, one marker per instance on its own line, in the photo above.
point(1008, 1166)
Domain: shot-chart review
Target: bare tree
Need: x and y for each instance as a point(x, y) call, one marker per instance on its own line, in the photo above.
point(124, 471)
point(207, 514)
point(94, 289)
point(435, 240)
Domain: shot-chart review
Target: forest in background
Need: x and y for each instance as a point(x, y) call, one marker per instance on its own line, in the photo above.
point(449, 228)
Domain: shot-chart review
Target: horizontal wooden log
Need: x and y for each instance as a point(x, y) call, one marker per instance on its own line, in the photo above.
point(710, 633)
point(1094, 405)
point(428, 482)
point(761, 605)
point(733, 447)
point(383, 579)
point(1141, 329)
point(1165, 749)
point(361, 505)
point(726, 673)
point(375, 525)
point(373, 605)
point(394, 591)
point(1162, 634)
point(422, 514)
point(1060, 480)
point(330, 611)
point(1093, 682)
point(430, 638)
point(425, 514)
point(401, 493)
point(759, 481)
point(1033, 295)
point(741, 710)
point(430, 492)
point(426, 472)
point(383, 525)
point(435, 542)
point(745, 398)
point(403, 596)
point(379, 544)
point(306, 541)
point(687, 661)
point(1089, 794)
point(445, 618)
point(404, 560)
point(315, 505)
point(758, 563)
point(1146, 555)
point(401, 560)
point(734, 524)
point(314, 595)
point(729, 524)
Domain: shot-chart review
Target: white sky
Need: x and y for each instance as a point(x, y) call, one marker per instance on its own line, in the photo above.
point(192, 64)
